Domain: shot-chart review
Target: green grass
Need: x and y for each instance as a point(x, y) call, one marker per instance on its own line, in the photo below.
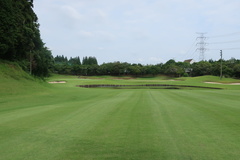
point(64, 122)
point(14, 81)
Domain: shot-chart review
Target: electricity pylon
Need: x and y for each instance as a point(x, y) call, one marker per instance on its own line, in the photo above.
point(201, 45)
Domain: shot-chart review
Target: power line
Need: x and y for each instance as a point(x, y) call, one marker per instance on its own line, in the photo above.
point(225, 42)
point(228, 44)
point(226, 35)
point(193, 55)
point(190, 49)
point(201, 44)
point(226, 49)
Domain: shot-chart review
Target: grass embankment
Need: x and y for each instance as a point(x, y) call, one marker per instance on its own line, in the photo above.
point(67, 122)
point(13, 80)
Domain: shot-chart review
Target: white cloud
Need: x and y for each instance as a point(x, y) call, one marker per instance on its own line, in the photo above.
point(149, 28)
point(140, 60)
point(86, 34)
point(100, 13)
point(105, 35)
point(155, 59)
point(100, 48)
point(71, 12)
point(97, 35)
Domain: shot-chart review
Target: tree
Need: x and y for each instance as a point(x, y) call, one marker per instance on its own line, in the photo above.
point(135, 70)
point(43, 61)
point(19, 29)
point(169, 62)
point(74, 61)
point(174, 70)
point(201, 68)
point(152, 69)
point(20, 36)
point(89, 61)
point(60, 59)
point(236, 70)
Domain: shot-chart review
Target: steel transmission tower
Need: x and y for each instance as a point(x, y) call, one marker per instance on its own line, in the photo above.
point(202, 46)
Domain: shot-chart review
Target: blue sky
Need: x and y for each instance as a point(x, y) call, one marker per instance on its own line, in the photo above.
point(139, 31)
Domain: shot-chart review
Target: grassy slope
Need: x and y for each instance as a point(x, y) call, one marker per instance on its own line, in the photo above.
point(13, 80)
point(66, 122)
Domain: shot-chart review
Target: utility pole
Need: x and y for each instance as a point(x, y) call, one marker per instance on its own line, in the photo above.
point(202, 45)
point(30, 62)
point(221, 65)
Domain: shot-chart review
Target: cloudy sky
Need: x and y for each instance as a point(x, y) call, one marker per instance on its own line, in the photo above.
point(140, 31)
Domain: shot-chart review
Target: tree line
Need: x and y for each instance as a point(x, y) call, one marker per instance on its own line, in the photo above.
point(20, 41)
point(20, 38)
point(73, 66)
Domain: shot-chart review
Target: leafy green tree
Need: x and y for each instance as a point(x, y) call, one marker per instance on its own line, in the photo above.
point(93, 70)
point(169, 62)
point(174, 70)
point(152, 69)
point(201, 68)
point(236, 70)
point(76, 70)
point(74, 61)
point(104, 69)
point(135, 70)
point(43, 62)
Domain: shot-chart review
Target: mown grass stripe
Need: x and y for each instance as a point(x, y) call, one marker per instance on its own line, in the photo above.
point(66, 122)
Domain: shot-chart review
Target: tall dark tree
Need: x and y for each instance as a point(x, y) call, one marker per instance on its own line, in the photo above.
point(20, 36)
point(19, 29)
point(89, 61)
point(74, 61)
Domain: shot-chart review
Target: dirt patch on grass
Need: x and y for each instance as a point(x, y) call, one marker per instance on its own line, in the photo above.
point(57, 82)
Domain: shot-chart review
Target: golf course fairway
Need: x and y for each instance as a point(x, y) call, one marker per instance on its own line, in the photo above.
point(64, 122)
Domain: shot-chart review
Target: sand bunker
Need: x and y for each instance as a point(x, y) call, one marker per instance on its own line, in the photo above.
point(57, 82)
point(223, 83)
point(213, 82)
point(234, 83)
